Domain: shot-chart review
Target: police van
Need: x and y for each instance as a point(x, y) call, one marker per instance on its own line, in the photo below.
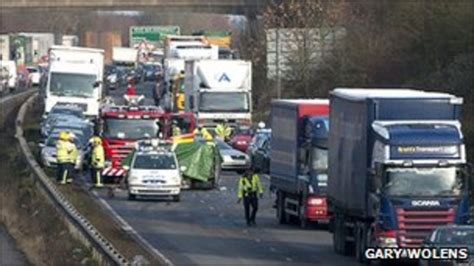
point(154, 171)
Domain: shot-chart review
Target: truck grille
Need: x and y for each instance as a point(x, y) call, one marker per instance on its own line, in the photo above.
point(120, 152)
point(415, 224)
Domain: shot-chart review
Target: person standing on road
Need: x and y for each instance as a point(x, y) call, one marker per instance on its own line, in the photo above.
point(248, 188)
point(66, 154)
point(131, 90)
point(202, 132)
point(97, 161)
point(223, 131)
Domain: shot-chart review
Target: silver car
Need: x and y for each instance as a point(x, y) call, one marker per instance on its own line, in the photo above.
point(232, 159)
point(48, 150)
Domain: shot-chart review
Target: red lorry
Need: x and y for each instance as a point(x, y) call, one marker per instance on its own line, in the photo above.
point(298, 161)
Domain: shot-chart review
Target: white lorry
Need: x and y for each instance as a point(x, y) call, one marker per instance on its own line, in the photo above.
point(4, 47)
point(124, 56)
point(218, 90)
point(41, 42)
point(190, 47)
point(75, 75)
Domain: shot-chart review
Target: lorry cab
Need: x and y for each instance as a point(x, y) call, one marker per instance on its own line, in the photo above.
point(421, 176)
point(154, 171)
point(314, 163)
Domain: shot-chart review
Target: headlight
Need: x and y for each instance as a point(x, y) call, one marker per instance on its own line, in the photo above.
point(227, 157)
point(242, 142)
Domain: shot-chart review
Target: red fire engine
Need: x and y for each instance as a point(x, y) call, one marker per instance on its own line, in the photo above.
point(123, 126)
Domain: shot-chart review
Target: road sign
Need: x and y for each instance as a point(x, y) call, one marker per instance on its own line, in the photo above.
point(152, 34)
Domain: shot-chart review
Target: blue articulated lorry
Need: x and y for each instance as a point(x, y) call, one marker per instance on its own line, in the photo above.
point(397, 167)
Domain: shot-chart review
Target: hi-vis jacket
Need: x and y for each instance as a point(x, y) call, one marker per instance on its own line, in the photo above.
point(98, 157)
point(223, 131)
point(248, 186)
point(66, 152)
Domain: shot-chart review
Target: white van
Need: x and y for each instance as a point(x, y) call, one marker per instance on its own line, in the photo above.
point(10, 66)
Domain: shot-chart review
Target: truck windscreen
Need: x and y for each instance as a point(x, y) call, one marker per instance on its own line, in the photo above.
point(224, 102)
point(130, 129)
point(427, 182)
point(72, 85)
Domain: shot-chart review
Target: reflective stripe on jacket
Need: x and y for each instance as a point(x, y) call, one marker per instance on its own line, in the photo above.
point(248, 186)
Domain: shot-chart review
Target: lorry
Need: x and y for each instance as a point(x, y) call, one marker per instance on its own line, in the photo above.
point(124, 125)
point(74, 77)
point(298, 161)
point(21, 49)
point(218, 90)
point(69, 40)
point(124, 56)
point(190, 47)
point(223, 40)
point(397, 167)
point(4, 47)
point(41, 42)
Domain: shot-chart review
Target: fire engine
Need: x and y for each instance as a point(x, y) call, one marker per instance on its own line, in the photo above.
point(123, 126)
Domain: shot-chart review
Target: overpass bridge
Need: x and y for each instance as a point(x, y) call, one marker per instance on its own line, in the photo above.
point(242, 7)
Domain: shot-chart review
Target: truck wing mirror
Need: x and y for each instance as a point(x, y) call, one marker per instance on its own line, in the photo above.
point(97, 84)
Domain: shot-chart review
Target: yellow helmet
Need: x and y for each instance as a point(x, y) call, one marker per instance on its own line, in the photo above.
point(63, 135)
point(96, 141)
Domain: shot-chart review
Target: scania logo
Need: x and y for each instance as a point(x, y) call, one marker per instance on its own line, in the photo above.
point(427, 203)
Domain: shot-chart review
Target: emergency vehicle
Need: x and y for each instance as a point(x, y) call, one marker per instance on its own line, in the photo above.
point(123, 126)
point(154, 171)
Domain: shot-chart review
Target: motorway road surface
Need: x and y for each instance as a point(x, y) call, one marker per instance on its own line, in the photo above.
point(208, 228)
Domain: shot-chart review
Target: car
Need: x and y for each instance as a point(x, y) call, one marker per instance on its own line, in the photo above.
point(35, 75)
point(51, 122)
point(62, 113)
point(261, 157)
point(232, 159)
point(241, 139)
point(451, 236)
point(154, 171)
point(257, 141)
point(48, 150)
point(150, 72)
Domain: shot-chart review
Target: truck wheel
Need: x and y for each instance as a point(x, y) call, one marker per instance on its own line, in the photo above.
point(304, 222)
point(281, 214)
point(176, 198)
point(361, 242)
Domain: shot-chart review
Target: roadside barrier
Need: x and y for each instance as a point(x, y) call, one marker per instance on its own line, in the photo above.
point(78, 225)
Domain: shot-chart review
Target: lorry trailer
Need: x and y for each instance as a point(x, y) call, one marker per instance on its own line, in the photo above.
point(298, 159)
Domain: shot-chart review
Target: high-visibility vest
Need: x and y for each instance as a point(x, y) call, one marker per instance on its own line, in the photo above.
point(246, 186)
point(223, 131)
point(66, 152)
point(176, 131)
point(98, 157)
point(204, 133)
